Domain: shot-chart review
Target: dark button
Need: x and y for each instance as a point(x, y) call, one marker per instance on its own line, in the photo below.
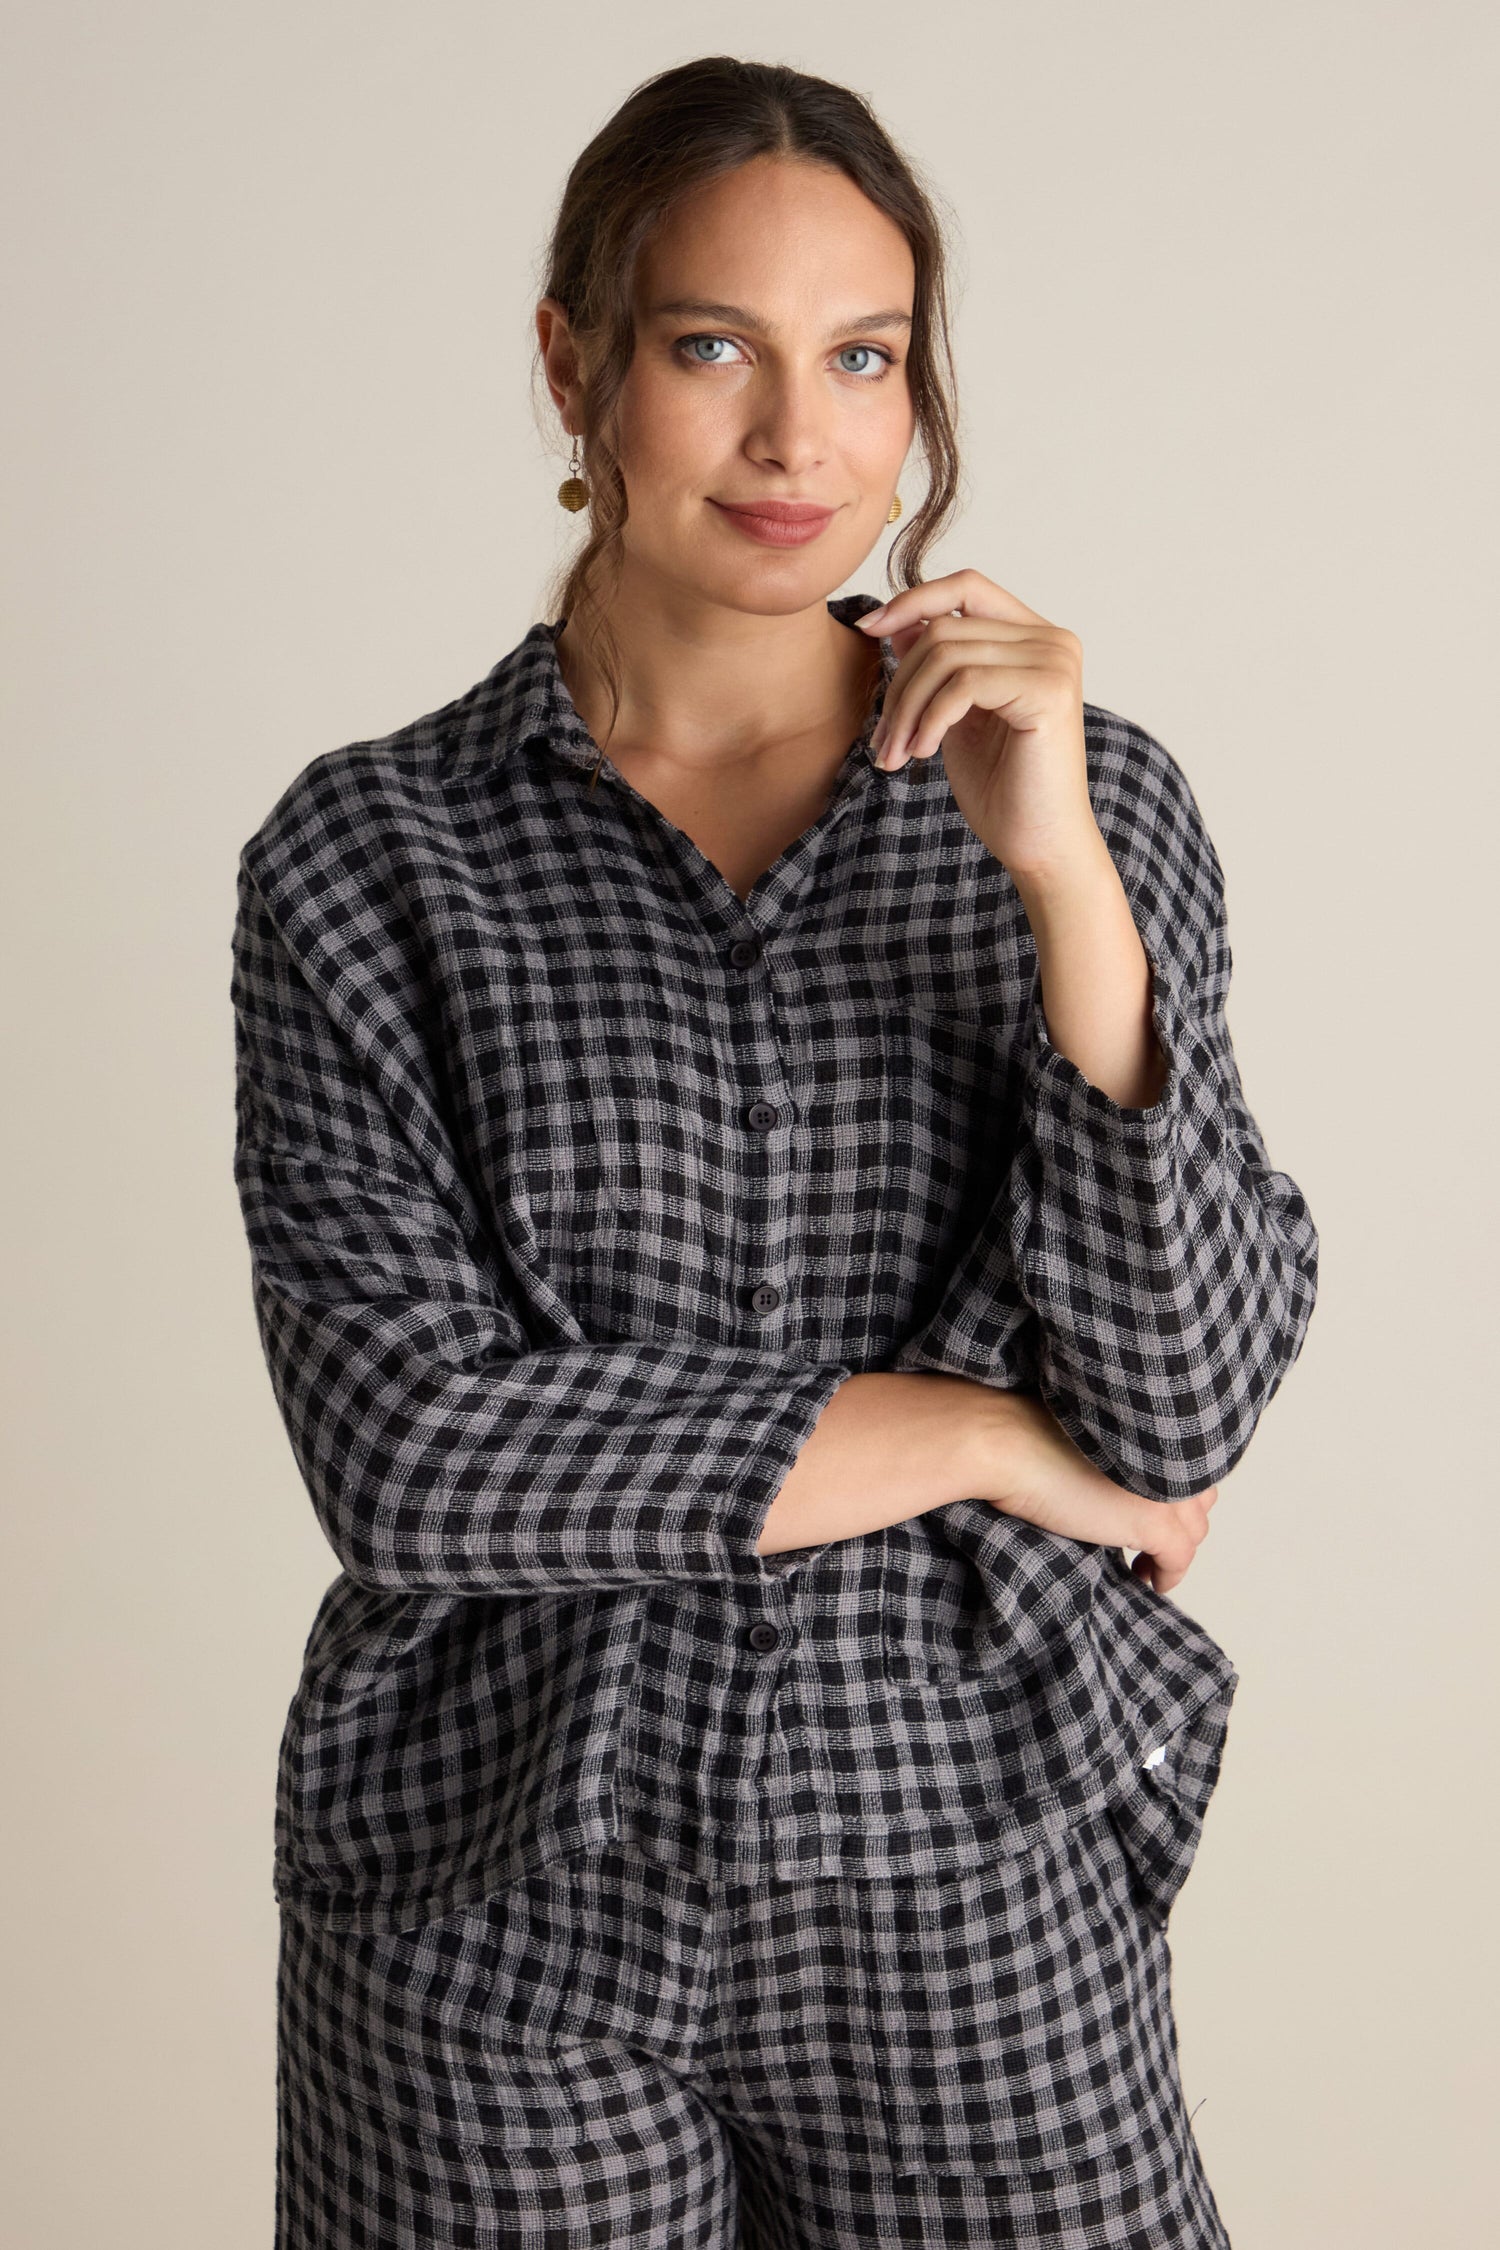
point(764, 1636)
point(744, 950)
point(765, 1297)
point(762, 1115)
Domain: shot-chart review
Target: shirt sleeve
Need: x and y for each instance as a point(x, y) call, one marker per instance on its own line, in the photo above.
point(1169, 1270)
point(441, 1451)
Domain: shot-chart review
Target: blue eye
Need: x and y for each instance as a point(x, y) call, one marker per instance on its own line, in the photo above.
point(689, 346)
point(689, 341)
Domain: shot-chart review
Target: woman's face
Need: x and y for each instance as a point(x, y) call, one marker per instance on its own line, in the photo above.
point(772, 314)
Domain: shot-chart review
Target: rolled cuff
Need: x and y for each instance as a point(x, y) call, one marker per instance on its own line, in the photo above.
point(1060, 1099)
point(796, 1415)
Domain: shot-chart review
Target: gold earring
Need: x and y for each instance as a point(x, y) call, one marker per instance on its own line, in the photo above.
point(573, 492)
point(895, 509)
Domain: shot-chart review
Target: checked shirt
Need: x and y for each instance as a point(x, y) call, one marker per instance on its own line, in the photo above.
point(575, 1186)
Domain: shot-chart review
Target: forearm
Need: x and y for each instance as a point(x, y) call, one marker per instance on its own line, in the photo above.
point(1096, 986)
point(888, 1447)
point(885, 1447)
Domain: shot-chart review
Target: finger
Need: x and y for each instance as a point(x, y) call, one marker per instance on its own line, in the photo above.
point(954, 682)
point(953, 627)
point(905, 696)
point(918, 674)
point(993, 688)
point(913, 641)
point(918, 640)
point(965, 590)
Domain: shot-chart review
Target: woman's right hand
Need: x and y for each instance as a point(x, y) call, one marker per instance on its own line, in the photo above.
point(1030, 1467)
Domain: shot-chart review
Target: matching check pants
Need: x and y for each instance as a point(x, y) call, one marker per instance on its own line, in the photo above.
point(613, 2053)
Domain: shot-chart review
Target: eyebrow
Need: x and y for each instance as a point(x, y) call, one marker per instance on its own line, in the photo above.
point(702, 308)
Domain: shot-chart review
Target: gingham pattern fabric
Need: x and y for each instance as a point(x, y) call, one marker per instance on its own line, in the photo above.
point(575, 1186)
point(611, 2051)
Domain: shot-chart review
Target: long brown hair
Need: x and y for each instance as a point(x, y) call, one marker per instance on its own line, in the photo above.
point(685, 126)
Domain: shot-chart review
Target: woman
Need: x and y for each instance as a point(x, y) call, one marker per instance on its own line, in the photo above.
point(753, 1213)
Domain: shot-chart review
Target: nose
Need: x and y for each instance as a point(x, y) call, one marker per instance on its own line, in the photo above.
point(789, 426)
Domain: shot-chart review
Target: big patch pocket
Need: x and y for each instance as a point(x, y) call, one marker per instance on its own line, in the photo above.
point(1020, 2014)
point(482, 2026)
point(448, 2032)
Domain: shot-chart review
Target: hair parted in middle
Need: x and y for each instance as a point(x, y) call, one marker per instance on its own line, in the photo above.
point(675, 131)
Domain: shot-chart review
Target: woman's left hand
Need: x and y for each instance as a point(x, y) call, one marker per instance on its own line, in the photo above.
point(1000, 690)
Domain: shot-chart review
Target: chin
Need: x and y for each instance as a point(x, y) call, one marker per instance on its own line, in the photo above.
point(777, 582)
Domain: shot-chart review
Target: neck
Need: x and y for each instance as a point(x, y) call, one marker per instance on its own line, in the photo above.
point(703, 685)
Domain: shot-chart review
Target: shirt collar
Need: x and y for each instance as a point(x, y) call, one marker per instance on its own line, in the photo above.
point(524, 699)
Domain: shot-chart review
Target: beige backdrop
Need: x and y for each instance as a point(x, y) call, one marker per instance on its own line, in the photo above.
point(1226, 329)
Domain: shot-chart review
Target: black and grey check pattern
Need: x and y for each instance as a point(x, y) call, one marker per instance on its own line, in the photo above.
point(575, 1187)
point(612, 2051)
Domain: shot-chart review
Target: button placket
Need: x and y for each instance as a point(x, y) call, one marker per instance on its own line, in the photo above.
point(763, 1117)
point(762, 1114)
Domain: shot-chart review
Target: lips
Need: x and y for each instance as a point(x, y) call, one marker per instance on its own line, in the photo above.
point(777, 511)
point(777, 523)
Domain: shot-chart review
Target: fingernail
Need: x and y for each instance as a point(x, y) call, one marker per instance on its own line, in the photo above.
point(871, 617)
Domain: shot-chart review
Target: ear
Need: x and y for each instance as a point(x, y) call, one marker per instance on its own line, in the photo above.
point(561, 360)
